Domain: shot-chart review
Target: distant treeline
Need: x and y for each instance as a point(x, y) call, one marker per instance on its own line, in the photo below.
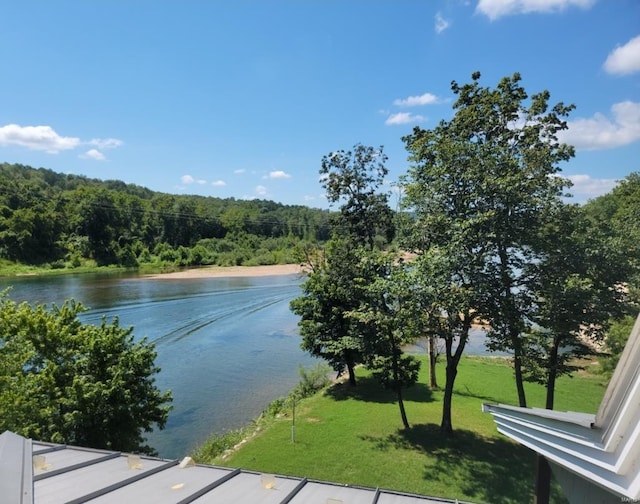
point(60, 220)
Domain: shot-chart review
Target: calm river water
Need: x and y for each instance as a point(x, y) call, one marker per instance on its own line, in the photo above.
point(227, 346)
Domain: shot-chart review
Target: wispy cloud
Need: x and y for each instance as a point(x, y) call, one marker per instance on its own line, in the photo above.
point(188, 179)
point(259, 192)
point(441, 23)
point(415, 101)
point(105, 143)
point(239, 171)
point(218, 183)
point(45, 138)
point(495, 9)
point(278, 174)
point(601, 132)
point(93, 154)
point(586, 187)
point(403, 118)
point(624, 59)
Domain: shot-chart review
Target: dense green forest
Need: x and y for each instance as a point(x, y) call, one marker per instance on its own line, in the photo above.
point(65, 221)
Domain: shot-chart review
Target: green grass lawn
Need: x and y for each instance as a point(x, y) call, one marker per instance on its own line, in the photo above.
point(354, 436)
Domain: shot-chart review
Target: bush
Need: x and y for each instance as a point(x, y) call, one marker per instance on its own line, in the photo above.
point(312, 380)
point(68, 382)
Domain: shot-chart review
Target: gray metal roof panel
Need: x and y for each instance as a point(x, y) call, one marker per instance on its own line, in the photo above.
point(74, 484)
point(76, 475)
point(250, 487)
point(170, 486)
point(316, 492)
point(16, 469)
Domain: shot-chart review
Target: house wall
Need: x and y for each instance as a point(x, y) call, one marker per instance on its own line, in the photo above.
point(580, 491)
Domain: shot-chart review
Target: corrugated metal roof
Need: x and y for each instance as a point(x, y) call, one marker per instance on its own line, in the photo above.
point(68, 474)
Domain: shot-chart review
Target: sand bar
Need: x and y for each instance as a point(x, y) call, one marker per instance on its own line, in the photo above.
point(231, 271)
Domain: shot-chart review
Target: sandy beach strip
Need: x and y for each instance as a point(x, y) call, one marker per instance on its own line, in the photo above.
point(231, 271)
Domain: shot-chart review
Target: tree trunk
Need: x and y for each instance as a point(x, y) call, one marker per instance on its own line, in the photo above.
point(543, 471)
point(552, 374)
point(446, 425)
point(403, 413)
point(517, 367)
point(431, 345)
point(542, 490)
point(351, 370)
point(453, 359)
point(510, 312)
point(398, 385)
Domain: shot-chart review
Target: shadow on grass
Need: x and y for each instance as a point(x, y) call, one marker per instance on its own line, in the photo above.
point(467, 392)
point(488, 470)
point(368, 389)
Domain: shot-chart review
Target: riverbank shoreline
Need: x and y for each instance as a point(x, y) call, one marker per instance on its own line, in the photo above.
point(230, 272)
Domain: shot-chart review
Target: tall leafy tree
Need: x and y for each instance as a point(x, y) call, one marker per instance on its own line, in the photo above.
point(329, 293)
point(617, 216)
point(355, 179)
point(577, 289)
point(479, 186)
point(68, 382)
point(389, 319)
point(447, 282)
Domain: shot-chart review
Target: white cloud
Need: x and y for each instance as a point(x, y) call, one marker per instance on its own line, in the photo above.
point(261, 190)
point(218, 183)
point(106, 143)
point(93, 154)
point(240, 171)
point(42, 138)
point(278, 174)
point(494, 9)
point(45, 138)
point(201, 181)
point(624, 59)
point(585, 187)
point(413, 101)
point(403, 118)
point(601, 132)
point(441, 23)
point(187, 179)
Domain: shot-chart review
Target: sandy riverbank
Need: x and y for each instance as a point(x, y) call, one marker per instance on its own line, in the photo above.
point(232, 271)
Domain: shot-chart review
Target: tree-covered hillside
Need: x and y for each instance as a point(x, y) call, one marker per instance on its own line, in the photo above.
point(61, 220)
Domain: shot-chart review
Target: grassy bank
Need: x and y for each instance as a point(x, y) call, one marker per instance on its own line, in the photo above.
point(354, 436)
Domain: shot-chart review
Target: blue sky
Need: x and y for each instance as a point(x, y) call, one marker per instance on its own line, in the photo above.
point(243, 98)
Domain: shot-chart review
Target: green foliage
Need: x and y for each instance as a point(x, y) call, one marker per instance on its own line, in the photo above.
point(311, 380)
point(218, 445)
point(355, 179)
point(616, 215)
point(614, 343)
point(49, 218)
point(479, 187)
point(68, 382)
point(329, 294)
point(575, 286)
point(339, 277)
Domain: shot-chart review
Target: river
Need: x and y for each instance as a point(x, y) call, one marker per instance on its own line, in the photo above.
point(226, 346)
